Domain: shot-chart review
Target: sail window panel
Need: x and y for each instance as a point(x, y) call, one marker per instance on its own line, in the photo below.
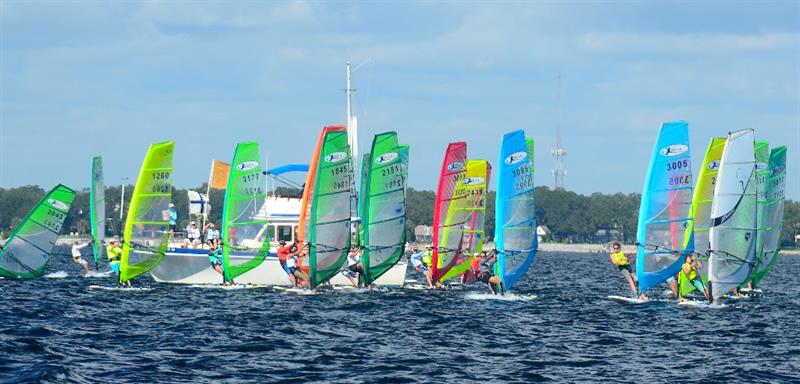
point(385, 238)
point(331, 239)
point(37, 236)
point(451, 236)
point(152, 209)
point(519, 208)
point(333, 207)
point(670, 205)
point(387, 206)
point(150, 236)
point(18, 251)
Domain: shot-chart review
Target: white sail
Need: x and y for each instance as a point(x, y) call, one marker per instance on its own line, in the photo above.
point(733, 215)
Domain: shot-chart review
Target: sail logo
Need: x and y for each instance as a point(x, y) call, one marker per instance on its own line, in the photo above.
point(473, 180)
point(673, 150)
point(246, 166)
point(515, 157)
point(776, 170)
point(335, 157)
point(713, 165)
point(761, 166)
point(58, 204)
point(385, 158)
point(456, 166)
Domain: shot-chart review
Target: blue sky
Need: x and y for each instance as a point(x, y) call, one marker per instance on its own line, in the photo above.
point(79, 79)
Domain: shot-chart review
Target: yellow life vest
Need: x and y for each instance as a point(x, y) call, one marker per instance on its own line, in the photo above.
point(690, 271)
point(114, 254)
point(620, 258)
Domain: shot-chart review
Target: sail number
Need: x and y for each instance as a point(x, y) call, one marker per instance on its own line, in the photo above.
point(396, 182)
point(525, 183)
point(680, 180)
point(340, 169)
point(162, 175)
point(53, 220)
point(524, 170)
point(393, 170)
point(678, 164)
point(250, 177)
point(341, 184)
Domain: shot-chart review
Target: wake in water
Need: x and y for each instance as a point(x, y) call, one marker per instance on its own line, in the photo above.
point(57, 275)
point(506, 297)
point(97, 274)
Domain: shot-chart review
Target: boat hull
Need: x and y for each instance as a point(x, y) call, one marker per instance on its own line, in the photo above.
point(191, 266)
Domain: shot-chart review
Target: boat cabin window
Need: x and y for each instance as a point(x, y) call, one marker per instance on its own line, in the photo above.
point(284, 233)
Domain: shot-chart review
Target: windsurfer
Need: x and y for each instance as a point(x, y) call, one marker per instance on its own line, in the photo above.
point(284, 252)
point(215, 258)
point(76, 256)
point(619, 259)
point(427, 262)
point(486, 273)
point(354, 266)
point(114, 252)
point(293, 263)
point(689, 269)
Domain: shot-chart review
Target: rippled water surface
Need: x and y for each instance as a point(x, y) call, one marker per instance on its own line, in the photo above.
point(57, 330)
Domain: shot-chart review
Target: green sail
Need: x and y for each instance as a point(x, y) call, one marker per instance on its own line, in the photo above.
point(384, 206)
point(361, 198)
point(97, 208)
point(701, 211)
point(244, 227)
point(473, 187)
point(146, 234)
point(28, 249)
point(762, 173)
point(772, 213)
point(329, 224)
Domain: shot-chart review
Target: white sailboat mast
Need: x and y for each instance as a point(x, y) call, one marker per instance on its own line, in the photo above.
point(352, 121)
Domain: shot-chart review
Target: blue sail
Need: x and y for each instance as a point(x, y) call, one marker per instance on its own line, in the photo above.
point(664, 231)
point(515, 216)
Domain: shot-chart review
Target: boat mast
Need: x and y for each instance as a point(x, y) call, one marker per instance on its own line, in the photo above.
point(352, 121)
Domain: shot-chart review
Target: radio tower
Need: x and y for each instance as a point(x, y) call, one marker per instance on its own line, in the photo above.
point(559, 153)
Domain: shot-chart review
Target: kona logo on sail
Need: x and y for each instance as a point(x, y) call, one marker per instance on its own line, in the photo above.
point(713, 165)
point(516, 157)
point(776, 170)
point(385, 158)
point(761, 166)
point(246, 166)
point(58, 204)
point(457, 166)
point(335, 157)
point(473, 180)
point(673, 150)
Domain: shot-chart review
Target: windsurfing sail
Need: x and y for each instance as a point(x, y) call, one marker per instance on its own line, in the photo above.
point(473, 187)
point(733, 216)
point(663, 233)
point(515, 215)
point(384, 206)
point(448, 220)
point(308, 186)
point(146, 234)
point(28, 249)
point(701, 211)
point(245, 241)
point(328, 225)
point(97, 208)
point(772, 213)
point(361, 198)
point(761, 175)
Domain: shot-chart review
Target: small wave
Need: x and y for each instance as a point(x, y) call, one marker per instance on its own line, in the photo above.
point(57, 275)
point(98, 274)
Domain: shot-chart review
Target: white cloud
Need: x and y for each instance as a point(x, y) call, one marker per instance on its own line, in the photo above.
point(705, 44)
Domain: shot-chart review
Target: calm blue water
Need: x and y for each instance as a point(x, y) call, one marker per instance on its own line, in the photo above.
point(56, 330)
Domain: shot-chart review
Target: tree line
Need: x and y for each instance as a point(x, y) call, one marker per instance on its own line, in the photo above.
point(570, 217)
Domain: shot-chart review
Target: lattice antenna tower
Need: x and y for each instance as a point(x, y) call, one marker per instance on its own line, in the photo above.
point(558, 152)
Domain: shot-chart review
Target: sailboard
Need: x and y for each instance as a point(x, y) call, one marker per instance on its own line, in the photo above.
point(515, 215)
point(664, 232)
point(383, 209)
point(448, 219)
point(97, 209)
point(772, 210)
point(245, 242)
point(473, 187)
point(732, 235)
point(701, 211)
point(27, 251)
point(627, 300)
point(146, 233)
point(328, 224)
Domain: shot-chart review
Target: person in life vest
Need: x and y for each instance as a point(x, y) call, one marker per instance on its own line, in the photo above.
point(486, 272)
point(354, 266)
point(689, 269)
point(215, 258)
point(114, 252)
point(619, 259)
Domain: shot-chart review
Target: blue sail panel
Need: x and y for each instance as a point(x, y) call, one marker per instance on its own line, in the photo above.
point(665, 210)
point(515, 215)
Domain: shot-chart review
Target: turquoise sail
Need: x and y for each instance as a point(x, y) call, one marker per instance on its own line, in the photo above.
point(665, 208)
point(515, 214)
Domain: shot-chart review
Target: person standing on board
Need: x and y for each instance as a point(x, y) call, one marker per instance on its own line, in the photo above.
point(294, 261)
point(354, 266)
point(215, 258)
point(427, 261)
point(689, 269)
point(619, 259)
point(486, 273)
point(76, 256)
point(114, 252)
point(284, 252)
